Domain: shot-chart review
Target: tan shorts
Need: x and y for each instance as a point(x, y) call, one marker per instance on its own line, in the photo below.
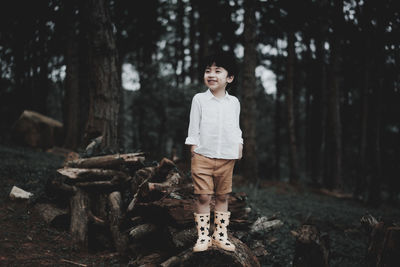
point(211, 175)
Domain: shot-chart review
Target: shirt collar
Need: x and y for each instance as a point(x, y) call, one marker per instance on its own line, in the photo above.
point(210, 95)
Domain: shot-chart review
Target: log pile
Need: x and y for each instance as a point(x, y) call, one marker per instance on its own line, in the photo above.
point(144, 212)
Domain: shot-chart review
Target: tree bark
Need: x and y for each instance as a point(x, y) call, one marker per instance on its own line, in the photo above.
point(250, 162)
point(362, 159)
point(103, 77)
point(71, 100)
point(115, 218)
point(79, 206)
point(318, 113)
point(242, 256)
point(334, 143)
point(278, 125)
point(293, 157)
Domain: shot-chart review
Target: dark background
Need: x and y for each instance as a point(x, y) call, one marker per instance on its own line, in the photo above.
point(332, 122)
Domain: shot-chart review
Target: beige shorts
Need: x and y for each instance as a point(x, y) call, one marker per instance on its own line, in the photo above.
point(211, 175)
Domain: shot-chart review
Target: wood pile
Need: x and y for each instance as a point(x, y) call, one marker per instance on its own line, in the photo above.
point(144, 212)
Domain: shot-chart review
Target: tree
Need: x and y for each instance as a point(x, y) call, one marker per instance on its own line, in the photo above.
point(104, 81)
point(293, 159)
point(333, 178)
point(250, 164)
point(72, 108)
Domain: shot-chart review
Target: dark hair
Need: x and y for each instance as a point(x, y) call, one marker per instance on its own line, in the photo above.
point(222, 59)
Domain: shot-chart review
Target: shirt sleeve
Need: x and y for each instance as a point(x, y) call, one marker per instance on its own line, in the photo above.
point(193, 137)
point(238, 130)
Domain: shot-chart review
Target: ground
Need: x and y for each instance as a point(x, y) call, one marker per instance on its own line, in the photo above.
point(26, 240)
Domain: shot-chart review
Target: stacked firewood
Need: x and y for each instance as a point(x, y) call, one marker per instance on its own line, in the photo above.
point(144, 211)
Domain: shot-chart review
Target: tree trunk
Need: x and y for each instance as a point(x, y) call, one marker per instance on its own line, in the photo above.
point(334, 152)
point(250, 163)
point(103, 77)
point(374, 190)
point(71, 101)
point(204, 34)
point(362, 159)
point(318, 115)
point(278, 124)
point(193, 39)
point(293, 157)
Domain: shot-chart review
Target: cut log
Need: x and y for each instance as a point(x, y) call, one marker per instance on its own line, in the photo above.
point(182, 239)
point(151, 260)
point(162, 170)
point(115, 183)
point(91, 174)
point(175, 212)
point(109, 161)
point(264, 224)
point(115, 219)
point(18, 193)
point(52, 215)
point(37, 130)
point(79, 204)
point(311, 248)
point(242, 256)
point(179, 212)
point(143, 230)
point(139, 183)
point(171, 183)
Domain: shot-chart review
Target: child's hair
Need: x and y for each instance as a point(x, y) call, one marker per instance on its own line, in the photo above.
point(222, 59)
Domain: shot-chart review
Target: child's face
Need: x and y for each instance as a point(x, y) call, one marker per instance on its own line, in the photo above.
point(216, 78)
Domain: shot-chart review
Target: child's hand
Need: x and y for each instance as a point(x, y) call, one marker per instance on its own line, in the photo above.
point(192, 148)
point(240, 151)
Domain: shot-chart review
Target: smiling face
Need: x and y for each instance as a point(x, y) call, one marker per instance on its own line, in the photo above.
point(216, 78)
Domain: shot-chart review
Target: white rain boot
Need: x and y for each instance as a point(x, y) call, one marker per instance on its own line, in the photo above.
point(220, 235)
point(203, 225)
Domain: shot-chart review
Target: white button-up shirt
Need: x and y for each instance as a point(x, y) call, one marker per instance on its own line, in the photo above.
point(214, 126)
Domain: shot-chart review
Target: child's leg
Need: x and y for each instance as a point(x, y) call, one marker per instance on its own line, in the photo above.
point(201, 168)
point(221, 202)
point(223, 186)
point(202, 203)
point(202, 221)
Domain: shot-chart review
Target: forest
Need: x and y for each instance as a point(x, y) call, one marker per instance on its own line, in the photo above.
point(318, 82)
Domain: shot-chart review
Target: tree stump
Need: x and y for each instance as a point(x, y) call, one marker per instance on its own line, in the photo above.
point(311, 248)
point(384, 243)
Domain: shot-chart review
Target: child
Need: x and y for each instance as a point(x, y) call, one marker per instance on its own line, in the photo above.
point(216, 143)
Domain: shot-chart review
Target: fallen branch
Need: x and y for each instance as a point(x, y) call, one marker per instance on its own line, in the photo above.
point(74, 263)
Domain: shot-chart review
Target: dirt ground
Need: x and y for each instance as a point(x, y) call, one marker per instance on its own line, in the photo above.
point(26, 240)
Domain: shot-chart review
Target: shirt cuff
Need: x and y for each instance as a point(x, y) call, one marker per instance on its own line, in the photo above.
point(190, 140)
point(241, 141)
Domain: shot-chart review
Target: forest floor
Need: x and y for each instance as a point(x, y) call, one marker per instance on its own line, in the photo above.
point(26, 240)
